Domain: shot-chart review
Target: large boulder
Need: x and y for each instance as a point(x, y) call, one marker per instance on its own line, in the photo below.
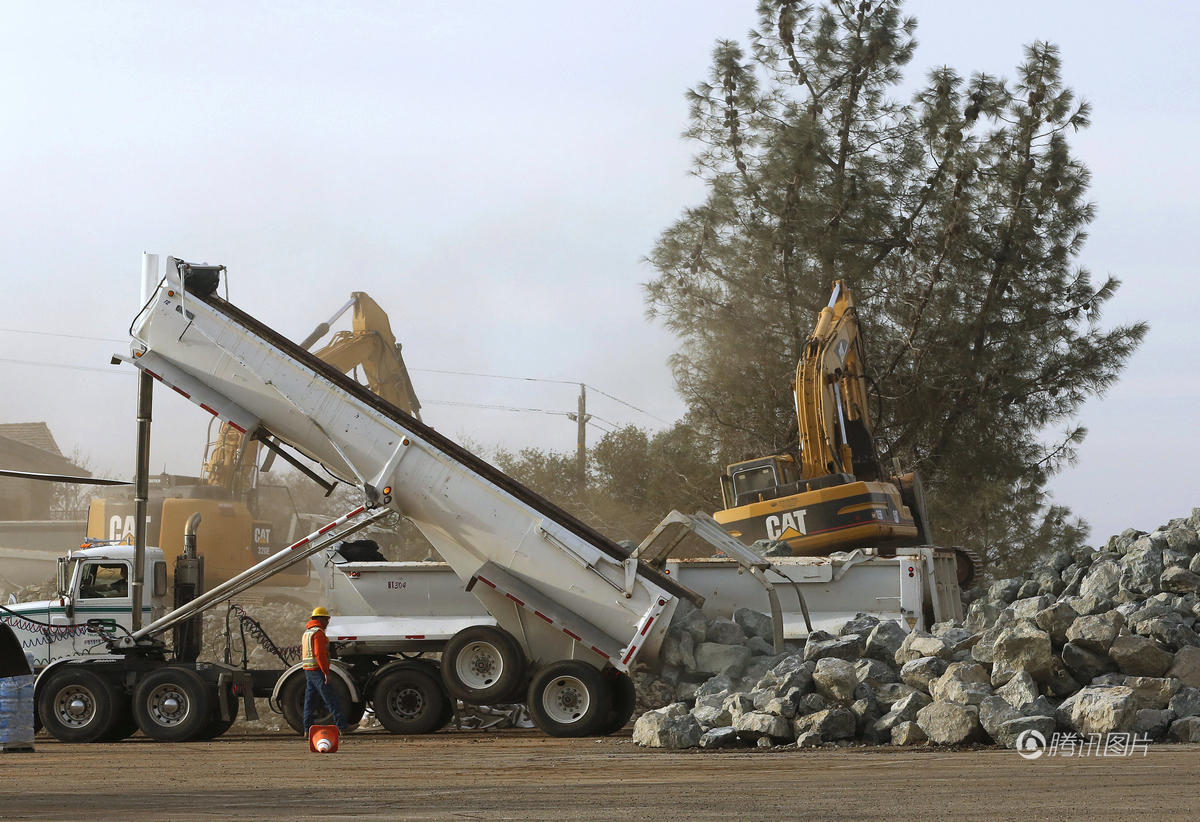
point(719, 658)
point(1142, 656)
point(993, 711)
point(966, 683)
point(694, 622)
point(884, 640)
point(725, 737)
point(725, 632)
point(982, 614)
point(1141, 569)
point(908, 733)
point(903, 710)
point(669, 727)
point(1103, 709)
point(1185, 702)
point(920, 672)
point(946, 723)
point(835, 680)
point(1019, 691)
point(891, 692)
point(1186, 666)
point(1055, 620)
point(873, 673)
point(1096, 633)
point(1101, 581)
point(1151, 723)
point(1010, 731)
point(1021, 647)
point(1186, 729)
point(830, 724)
point(1180, 581)
point(919, 644)
point(862, 624)
point(679, 648)
point(1084, 663)
point(1005, 590)
point(1152, 692)
point(755, 623)
point(755, 725)
point(821, 646)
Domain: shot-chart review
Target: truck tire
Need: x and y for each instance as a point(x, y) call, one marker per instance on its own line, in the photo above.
point(77, 705)
point(569, 699)
point(291, 700)
point(125, 726)
point(173, 704)
point(411, 701)
point(624, 701)
point(483, 665)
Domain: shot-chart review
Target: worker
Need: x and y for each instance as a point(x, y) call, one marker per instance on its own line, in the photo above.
point(315, 648)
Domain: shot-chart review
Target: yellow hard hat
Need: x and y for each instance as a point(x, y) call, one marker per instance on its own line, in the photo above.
point(320, 611)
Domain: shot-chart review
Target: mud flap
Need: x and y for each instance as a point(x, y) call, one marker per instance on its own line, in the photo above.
point(13, 661)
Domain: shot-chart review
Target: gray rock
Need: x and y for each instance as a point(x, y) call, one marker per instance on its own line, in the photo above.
point(1096, 633)
point(760, 647)
point(1173, 558)
point(1005, 590)
point(1049, 583)
point(755, 624)
point(919, 644)
point(669, 727)
point(755, 725)
point(946, 723)
point(780, 706)
point(908, 733)
point(873, 673)
point(831, 724)
point(1152, 692)
point(1019, 691)
point(1171, 630)
point(1009, 732)
point(809, 739)
point(1041, 706)
point(982, 614)
point(1063, 713)
point(1186, 666)
point(966, 683)
point(1194, 565)
point(866, 712)
point(725, 632)
point(1059, 682)
point(958, 639)
point(1055, 620)
point(891, 692)
point(810, 704)
point(1021, 646)
point(719, 658)
point(920, 672)
point(719, 685)
point(1101, 581)
point(835, 680)
point(993, 711)
point(695, 623)
point(1028, 608)
point(1152, 723)
point(1142, 656)
point(1186, 729)
point(720, 738)
point(678, 648)
point(903, 710)
point(884, 640)
point(984, 648)
point(1182, 537)
point(862, 624)
point(1141, 569)
point(1085, 664)
point(1029, 588)
point(737, 704)
point(710, 717)
point(1103, 709)
point(849, 647)
point(1087, 606)
point(1180, 581)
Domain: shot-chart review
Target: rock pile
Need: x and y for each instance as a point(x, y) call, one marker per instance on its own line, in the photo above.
point(1086, 642)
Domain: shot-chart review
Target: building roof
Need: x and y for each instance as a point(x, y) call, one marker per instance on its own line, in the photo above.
point(36, 434)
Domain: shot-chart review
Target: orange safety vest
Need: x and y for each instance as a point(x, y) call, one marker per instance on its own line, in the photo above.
point(314, 646)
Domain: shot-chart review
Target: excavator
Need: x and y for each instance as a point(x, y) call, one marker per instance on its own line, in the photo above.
point(832, 495)
point(245, 519)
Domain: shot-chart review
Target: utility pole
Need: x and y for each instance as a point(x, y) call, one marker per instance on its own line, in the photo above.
point(581, 419)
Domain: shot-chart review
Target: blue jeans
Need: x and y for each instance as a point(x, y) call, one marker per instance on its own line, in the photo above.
point(316, 692)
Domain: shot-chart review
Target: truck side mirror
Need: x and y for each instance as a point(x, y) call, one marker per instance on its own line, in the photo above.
point(61, 582)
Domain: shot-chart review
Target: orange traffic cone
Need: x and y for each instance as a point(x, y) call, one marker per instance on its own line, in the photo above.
point(323, 738)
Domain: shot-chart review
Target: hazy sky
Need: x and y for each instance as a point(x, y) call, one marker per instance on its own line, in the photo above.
point(493, 174)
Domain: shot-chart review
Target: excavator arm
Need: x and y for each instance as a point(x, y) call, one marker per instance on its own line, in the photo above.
point(831, 396)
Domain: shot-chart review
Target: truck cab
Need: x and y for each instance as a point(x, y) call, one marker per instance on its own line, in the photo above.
point(93, 583)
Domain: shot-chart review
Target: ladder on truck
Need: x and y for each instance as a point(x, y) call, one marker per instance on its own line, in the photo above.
point(567, 600)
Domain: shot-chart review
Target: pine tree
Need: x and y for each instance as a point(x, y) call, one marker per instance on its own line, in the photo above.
point(957, 219)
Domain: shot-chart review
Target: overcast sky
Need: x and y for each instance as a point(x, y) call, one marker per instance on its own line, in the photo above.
point(493, 174)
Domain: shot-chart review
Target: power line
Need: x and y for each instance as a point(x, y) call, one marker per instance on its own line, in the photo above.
point(60, 334)
point(630, 405)
point(496, 407)
point(116, 372)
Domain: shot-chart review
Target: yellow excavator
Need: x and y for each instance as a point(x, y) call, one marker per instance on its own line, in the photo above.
point(245, 520)
point(833, 495)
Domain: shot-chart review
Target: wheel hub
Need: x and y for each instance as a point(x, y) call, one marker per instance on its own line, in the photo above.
point(479, 665)
point(75, 706)
point(566, 699)
point(168, 705)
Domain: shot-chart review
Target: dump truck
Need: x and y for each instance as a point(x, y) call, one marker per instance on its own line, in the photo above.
point(558, 614)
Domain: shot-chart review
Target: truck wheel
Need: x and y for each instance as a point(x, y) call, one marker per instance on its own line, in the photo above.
point(77, 705)
point(291, 699)
point(411, 701)
point(483, 665)
point(125, 725)
point(624, 701)
point(173, 705)
point(569, 698)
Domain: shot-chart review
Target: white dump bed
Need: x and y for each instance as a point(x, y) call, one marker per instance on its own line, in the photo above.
point(560, 587)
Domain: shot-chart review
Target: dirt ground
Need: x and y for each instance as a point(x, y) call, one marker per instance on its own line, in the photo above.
point(523, 775)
